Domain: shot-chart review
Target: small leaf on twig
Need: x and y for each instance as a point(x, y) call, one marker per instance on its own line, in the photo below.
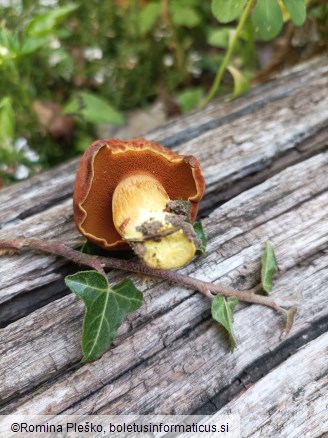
point(91, 248)
point(269, 267)
point(290, 317)
point(106, 309)
point(222, 312)
point(198, 227)
point(240, 83)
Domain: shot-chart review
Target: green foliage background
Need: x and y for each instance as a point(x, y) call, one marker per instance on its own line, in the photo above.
point(66, 67)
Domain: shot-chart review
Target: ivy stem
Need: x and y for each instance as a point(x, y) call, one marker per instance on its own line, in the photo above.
point(218, 78)
point(99, 263)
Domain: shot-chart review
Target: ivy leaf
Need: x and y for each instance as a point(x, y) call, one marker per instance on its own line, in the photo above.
point(269, 267)
point(222, 312)
point(241, 83)
point(91, 248)
point(297, 11)
point(198, 227)
point(227, 10)
point(267, 19)
point(106, 309)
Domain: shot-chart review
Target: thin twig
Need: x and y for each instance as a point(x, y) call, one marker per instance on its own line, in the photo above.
point(99, 263)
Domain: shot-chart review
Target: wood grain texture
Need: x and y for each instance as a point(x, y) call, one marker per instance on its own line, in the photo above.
point(171, 345)
point(235, 155)
point(290, 107)
point(295, 405)
point(266, 155)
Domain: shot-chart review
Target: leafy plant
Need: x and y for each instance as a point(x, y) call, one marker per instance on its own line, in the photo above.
point(106, 309)
point(92, 61)
point(267, 18)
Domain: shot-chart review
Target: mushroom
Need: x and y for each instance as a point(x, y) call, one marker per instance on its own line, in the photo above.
point(138, 194)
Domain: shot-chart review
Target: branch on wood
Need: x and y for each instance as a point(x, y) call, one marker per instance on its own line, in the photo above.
point(99, 263)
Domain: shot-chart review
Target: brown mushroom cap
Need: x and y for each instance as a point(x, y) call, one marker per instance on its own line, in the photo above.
point(106, 162)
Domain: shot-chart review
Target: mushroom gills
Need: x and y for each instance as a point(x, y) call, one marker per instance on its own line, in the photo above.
point(164, 240)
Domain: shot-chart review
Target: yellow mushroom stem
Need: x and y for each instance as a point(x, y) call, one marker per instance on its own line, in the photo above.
point(138, 207)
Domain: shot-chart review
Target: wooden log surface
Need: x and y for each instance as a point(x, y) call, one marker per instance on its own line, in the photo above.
point(267, 410)
point(265, 162)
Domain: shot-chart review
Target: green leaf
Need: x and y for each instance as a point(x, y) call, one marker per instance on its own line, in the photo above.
point(220, 37)
point(222, 312)
point(189, 99)
point(31, 45)
point(227, 10)
point(73, 106)
point(9, 45)
point(297, 11)
point(44, 24)
point(148, 17)
point(106, 309)
point(90, 248)
point(93, 109)
point(269, 267)
point(241, 84)
point(7, 121)
point(267, 19)
point(198, 227)
point(93, 249)
point(184, 16)
point(97, 110)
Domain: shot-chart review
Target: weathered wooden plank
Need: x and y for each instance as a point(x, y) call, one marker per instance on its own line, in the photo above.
point(36, 194)
point(225, 136)
point(234, 156)
point(32, 271)
point(195, 123)
point(290, 401)
point(154, 343)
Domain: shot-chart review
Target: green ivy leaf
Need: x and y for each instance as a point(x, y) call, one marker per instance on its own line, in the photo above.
point(222, 312)
point(227, 10)
point(240, 82)
point(267, 19)
point(91, 248)
point(297, 11)
point(269, 267)
point(106, 309)
point(198, 227)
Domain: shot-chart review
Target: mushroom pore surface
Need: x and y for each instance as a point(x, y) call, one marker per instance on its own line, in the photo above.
point(104, 167)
